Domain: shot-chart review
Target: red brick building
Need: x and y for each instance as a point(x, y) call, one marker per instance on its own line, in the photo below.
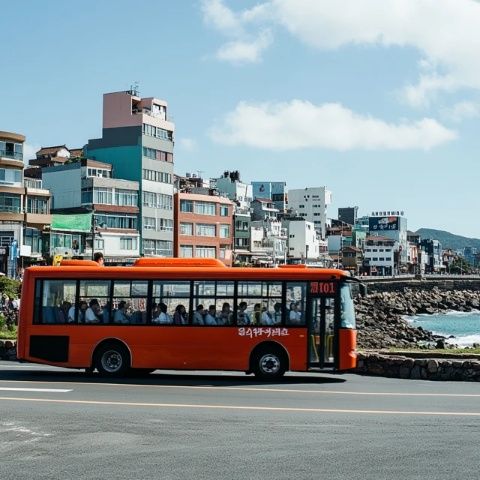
point(203, 226)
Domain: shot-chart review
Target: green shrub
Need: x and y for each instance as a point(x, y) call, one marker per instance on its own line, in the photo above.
point(9, 287)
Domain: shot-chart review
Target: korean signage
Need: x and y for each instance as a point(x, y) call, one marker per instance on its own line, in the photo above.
point(379, 224)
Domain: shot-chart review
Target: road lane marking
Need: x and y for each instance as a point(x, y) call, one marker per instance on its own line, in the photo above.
point(43, 390)
point(254, 389)
point(241, 407)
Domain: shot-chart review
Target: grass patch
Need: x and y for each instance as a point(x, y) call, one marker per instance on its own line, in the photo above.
point(8, 334)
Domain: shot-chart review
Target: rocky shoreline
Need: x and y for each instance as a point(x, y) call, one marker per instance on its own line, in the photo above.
point(381, 323)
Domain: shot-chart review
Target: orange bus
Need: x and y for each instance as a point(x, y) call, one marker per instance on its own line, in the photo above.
point(187, 314)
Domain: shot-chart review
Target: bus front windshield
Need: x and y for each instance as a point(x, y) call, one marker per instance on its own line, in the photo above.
point(347, 308)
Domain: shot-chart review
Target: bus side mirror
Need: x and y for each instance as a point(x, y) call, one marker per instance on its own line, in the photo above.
point(363, 290)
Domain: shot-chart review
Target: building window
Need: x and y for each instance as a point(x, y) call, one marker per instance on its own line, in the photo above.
point(162, 248)
point(99, 244)
point(103, 196)
point(223, 210)
point(205, 230)
point(186, 229)
point(155, 154)
point(155, 176)
point(117, 221)
point(10, 203)
point(157, 132)
point(186, 251)
point(186, 206)
point(205, 252)
point(126, 198)
point(149, 223)
point(157, 200)
point(224, 231)
point(204, 208)
point(128, 243)
point(38, 205)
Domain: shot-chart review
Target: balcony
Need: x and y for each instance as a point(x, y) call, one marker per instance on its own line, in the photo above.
point(11, 154)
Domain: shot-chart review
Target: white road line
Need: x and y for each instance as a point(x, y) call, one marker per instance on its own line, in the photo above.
point(254, 389)
point(43, 390)
point(243, 407)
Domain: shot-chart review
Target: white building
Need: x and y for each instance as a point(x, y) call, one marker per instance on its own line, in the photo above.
point(230, 186)
point(303, 242)
point(311, 204)
point(88, 186)
point(379, 255)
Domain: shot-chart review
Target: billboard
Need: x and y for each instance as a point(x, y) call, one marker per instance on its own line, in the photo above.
point(382, 224)
point(262, 190)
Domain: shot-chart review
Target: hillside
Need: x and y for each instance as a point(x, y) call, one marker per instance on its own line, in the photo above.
point(449, 240)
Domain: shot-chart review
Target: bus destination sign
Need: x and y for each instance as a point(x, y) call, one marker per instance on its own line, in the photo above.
point(323, 288)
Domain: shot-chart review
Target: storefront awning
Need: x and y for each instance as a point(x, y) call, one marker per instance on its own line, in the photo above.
point(78, 222)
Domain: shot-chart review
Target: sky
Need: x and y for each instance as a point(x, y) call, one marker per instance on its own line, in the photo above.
point(379, 100)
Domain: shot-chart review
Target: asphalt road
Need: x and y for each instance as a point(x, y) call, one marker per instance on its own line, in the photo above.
point(61, 424)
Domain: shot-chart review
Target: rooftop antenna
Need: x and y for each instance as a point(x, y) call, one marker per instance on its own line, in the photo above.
point(134, 89)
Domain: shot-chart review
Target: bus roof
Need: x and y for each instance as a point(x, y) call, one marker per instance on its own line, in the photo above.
point(186, 269)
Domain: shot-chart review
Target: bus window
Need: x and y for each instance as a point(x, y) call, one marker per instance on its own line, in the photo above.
point(93, 300)
point(295, 296)
point(216, 298)
point(129, 305)
point(347, 309)
point(171, 302)
point(57, 300)
point(259, 303)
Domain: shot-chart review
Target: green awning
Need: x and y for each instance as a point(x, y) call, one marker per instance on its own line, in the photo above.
point(79, 222)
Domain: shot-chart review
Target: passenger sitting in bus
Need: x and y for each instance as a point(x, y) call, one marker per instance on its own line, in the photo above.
point(243, 318)
point(257, 314)
point(64, 309)
point(266, 318)
point(82, 310)
point(121, 315)
point(180, 317)
point(92, 315)
point(295, 316)
point(198, 316)
point(277, 314)
point(210, 317)
point(71, 314)
point(163, 318)
point(106, 312)
point(225, 316)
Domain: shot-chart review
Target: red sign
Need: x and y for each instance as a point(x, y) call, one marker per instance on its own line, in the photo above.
point(323, 288)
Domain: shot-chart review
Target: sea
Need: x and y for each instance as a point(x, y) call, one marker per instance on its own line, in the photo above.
point(464, 326)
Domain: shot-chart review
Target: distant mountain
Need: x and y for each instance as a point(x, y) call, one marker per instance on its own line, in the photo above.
point(449, 240)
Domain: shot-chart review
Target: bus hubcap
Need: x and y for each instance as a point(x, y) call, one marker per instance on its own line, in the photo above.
point(270, 363)
point(111, 361)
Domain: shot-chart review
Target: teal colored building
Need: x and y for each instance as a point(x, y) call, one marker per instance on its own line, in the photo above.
point(137, 139)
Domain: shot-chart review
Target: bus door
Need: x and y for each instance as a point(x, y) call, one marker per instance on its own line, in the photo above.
point(321, 328)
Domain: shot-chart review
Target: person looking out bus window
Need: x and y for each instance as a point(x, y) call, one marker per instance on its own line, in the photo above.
point(98, 257)
point(242, 316)
point(164, 317)
point(257, 314)
point(266, 318)
point(93, 312)
point(277, 313)
point(180, 317)
point(71, 314)
point(225, 316)
point(295, 316)
point(82, 310)
point(121, 315)
point(198, 316)
point(210, 317)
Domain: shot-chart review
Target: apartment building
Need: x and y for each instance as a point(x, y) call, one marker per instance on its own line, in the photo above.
point(87, 186)
point(204, 226)
point(137, 139)
point(24, 207)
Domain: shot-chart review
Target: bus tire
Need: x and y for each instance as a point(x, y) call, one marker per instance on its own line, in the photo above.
point(269, 363)
point(112, 359)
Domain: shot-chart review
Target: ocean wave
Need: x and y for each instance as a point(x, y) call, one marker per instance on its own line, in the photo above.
point(464, 341)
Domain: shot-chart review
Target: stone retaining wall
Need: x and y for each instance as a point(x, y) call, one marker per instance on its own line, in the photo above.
point(398, 366)
point(399, 285)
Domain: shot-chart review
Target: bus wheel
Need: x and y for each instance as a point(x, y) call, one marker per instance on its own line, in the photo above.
point(112, 360)
point(269, 364)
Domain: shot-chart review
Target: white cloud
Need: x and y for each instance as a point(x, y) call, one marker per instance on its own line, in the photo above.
point(29, 152)
point(461, 111)
point(240, 51)
point(445, 32)
point(187, 144)
point(300, 124)
point(243, 47)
